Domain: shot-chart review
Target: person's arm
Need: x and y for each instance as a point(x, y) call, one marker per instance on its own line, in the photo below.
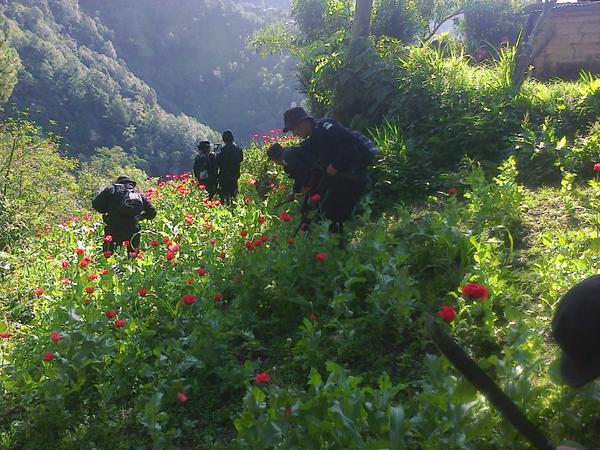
point(196, 168)
point(101, 202)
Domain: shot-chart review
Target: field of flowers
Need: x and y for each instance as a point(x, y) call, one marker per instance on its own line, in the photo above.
point(226, 330)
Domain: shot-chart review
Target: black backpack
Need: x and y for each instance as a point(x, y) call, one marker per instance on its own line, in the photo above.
point(128, 200)
point(368, 151)
point(205, 166)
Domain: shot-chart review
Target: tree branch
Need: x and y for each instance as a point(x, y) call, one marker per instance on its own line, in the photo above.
point(442, 22)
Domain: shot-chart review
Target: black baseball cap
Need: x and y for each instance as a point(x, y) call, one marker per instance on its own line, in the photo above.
point(293, 117)
point(576, 329)
point(204, 145)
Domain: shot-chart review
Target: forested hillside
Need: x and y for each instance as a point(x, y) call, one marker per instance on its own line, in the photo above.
point(76, 78)
point(193, 53)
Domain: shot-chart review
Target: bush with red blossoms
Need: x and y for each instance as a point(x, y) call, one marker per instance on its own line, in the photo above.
point(48, 356)
point(181, 397)
point(38, 292)
point(120, 323)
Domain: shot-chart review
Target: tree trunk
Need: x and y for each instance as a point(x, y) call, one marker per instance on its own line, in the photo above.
point(362, 19)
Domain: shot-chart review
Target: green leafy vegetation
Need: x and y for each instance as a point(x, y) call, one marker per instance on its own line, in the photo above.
point(234, 328)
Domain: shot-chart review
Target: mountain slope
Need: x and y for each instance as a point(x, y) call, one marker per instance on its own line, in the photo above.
point(71, 75)
point(193, 53)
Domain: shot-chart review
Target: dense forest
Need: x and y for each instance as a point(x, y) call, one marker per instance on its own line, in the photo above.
point(77, 81)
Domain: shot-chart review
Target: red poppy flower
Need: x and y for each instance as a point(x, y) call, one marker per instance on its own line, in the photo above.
point(79, 251)
point(217, 203)
point(188, 299)
point(447, 313)
point(475, 291)
point(120, 323)
point(55, 336)
point(154, 243)
point(66, 281)
point(264, 238)
point(182, 397)
point(87, 301)
point(285, 216)
point(189, 219)
point(222, 255)
point(107, 254)
point(249, 245)
point(104, 271)
point(190, 281)
point(84, 262)
point(4, 334)
point(207, 227)
point(170, 256)
point(110, 313)
point(321, 256)
point(248, 200)
point(65, 263)
point(89, 289)
point(202, 271)
point(261, 219)
point(597, 167)
point(174, 248)
point(253, 182)
point(244, 233)
point(290, 241)
point(218, 297)
point(126, 243)
point(92, 276)
point(452, 191)
point(38, 292)
point(142, 292)
point(213, 241)
point(166, 240)
point(108, 238)
point(312, 317)
point(316, 198)
point(48, 356)
point(262, 378)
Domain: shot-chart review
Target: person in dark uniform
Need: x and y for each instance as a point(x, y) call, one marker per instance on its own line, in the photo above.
point(205, 168)
point(123, 206)
point(340, 177)
point(296, 162)
point(229, 160)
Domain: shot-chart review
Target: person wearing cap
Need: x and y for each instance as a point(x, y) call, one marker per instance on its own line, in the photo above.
point(229, 161)
point(205, 168)
point(122, 206)
point(341, 175)
point(576, 330)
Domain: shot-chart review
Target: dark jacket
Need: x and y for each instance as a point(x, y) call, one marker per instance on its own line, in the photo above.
point(229, 160)
point(297, 163)
point(334, 144)
point(205, 167)
point(119, 224)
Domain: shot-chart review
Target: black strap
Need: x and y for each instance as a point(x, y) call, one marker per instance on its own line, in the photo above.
point(482, 382)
